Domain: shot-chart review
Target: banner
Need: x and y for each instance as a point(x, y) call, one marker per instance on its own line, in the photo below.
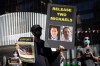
point(60, 26)
point(26, 49)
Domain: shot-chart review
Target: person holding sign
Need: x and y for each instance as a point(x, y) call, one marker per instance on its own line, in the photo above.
point(66, 34)
point(43, 55)
point(54, 32)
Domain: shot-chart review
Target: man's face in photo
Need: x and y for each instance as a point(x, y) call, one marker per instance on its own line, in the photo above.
point(54, 32)
point(66, 32)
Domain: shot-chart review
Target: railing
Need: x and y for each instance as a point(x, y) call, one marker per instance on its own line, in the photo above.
point(18, 24)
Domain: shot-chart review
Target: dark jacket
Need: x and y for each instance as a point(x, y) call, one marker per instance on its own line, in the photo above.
point(44, 56)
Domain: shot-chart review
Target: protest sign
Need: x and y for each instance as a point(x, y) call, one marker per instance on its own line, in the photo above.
point(60, 26)
point(26, 49)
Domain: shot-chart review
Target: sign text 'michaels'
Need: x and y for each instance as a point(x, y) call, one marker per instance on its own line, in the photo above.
point(61, 19)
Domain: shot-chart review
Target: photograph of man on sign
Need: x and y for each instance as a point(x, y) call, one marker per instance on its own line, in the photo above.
point(54, 32)
point(66, 33)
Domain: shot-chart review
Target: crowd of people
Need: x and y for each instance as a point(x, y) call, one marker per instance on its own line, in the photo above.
point(45, 57)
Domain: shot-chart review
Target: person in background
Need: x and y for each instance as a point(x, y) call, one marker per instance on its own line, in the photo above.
point(85, 54)
point(66, 35)
point(54, 32)
point(43, 55)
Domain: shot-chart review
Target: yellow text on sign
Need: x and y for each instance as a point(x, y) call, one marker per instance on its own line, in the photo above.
point(61, 9)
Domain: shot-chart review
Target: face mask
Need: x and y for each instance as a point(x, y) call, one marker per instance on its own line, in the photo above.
point(86, 41)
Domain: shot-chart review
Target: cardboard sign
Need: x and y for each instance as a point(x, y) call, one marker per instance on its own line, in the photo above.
point(60, 26)
point(26, 49)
